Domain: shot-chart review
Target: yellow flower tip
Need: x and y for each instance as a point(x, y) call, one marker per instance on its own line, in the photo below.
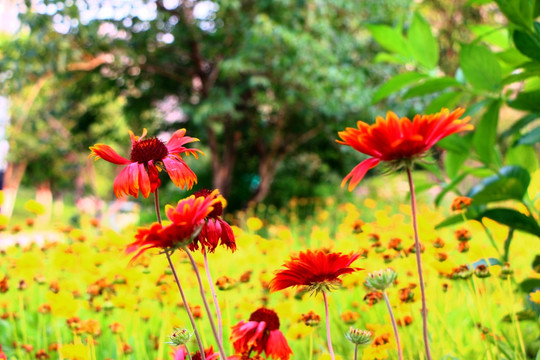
point(392, 116)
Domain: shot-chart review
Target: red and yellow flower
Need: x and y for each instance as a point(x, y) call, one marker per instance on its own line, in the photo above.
point(261, 334)
point(147, 158)
point(187, 219)
point(316, 270)
point(399, 140)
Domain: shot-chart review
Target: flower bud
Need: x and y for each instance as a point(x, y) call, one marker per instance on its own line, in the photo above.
point(381, 280)
point(179, 337)
point(359, 337)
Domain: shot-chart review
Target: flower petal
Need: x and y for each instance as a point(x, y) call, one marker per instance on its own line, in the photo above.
point(180, 173)
point(105, 152)
point(359, 171)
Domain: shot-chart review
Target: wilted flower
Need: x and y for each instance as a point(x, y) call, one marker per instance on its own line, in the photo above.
point(359, 337)
point(179, 337)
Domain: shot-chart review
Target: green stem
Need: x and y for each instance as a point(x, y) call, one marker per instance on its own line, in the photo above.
point(394, 325)
point(207, 308)
point(419, 264)
point(214, 295)
point(188, 352)
point(184, 300)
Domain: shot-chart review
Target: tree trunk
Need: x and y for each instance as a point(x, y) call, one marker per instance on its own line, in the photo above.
point(223, 161)
point(12, 181)
point(44, 196)
point(267, 170)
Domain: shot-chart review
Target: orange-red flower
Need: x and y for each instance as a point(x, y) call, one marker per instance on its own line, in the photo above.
point(318, 271)
point(2, 354)
point(147, 158)
point(187, 219)
point(261, 334)
point(214, 229)
point(397, 139)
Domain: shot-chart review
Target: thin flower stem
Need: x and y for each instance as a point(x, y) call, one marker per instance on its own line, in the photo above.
point(208, 312)
point(214, 296)
point(355, 351)
point(189, 353)
point(394, 325)
point(328, 336)
point(311, 345)
point(184, 300)
point(419, 264)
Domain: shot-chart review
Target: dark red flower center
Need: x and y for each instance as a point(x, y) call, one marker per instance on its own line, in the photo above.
point(268, 316)
point(147, 150)
point(218, 207)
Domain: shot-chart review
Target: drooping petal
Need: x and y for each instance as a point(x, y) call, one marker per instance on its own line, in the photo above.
point(359, 171)
point(127, 182)
point(105, 152)
point(180, 173)
point(144, 181)
point(277, 346)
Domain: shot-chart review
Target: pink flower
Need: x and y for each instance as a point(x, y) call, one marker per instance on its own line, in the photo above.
point(181, 354)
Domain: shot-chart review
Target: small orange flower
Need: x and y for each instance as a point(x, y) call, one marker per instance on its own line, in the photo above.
point(398, 140)
point(147, 158)
point(461, 203)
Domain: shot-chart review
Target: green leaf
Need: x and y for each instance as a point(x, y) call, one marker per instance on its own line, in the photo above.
point(453, 162)
point(527, 44)
point(530, 138)
point(513, 219)
point(485, 135)
point(456, 143)
point(526, 101)
point(510, 183)
point(492, 35)
point(446, 100)
point(449, 187)
point(524, 156)
point(383, 57)
point(529, 285)
point(395, 84)
point(481, 68)
point(517, 11)
point(518, 125)
point(523, 315)
point(423, 44)
point(390, 39)
point(430, 86)
point(472, 213)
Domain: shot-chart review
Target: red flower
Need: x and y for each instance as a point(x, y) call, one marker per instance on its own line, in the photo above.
point(147, 157)
point(181, 354)
point(261, 334)
point(316, 270)
point(2, 354)
point(398, 140)
point(186, 218)
point(214, 229)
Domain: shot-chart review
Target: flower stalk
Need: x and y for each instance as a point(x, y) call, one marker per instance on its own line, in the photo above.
point(328, 335)
point(214, 295)
point(184, 300)
point(419, 263)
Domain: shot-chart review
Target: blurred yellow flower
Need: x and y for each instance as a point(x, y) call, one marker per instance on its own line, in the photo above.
point(254, 223)
point(75, 351)
point(535, 296)
point(63, 304)
point(34, 207)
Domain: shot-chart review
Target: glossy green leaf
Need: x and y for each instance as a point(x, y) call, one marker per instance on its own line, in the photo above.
point(446, 100)
point(528, 44)
point(431, 86)
point(530, 138)
point(456, 143)
point(510, 183)
point(453, 162)
point(529, 285)
point(513, 219)
point(395, 84)
point(390, 39)
point(423, 44)
point(485, 135)
point(481, 68)
point(528, 101)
